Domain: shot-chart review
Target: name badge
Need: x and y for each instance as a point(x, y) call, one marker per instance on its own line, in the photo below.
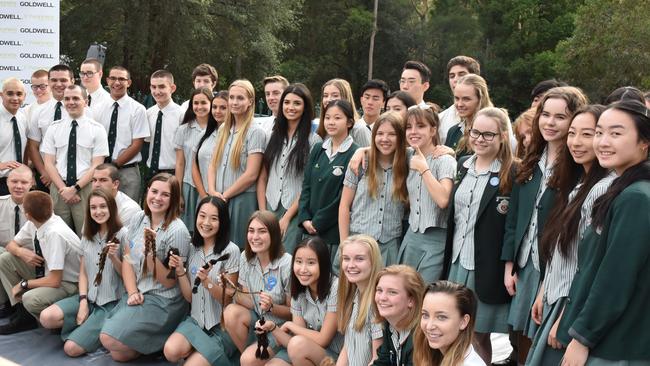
point(494, 181)
point(502, 204)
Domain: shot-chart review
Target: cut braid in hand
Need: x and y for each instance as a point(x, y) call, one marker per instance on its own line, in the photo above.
point(149, 247)
point(172, 273)
point(211, 262)
point(102, 261)
point(262, 352)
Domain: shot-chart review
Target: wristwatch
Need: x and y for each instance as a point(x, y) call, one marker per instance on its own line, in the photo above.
point(77, 187)
point(23, 285)
point(210, 285)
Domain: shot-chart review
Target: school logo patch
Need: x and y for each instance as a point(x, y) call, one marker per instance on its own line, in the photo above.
point(338, 170)
point(194, 270)
point(270, 283)
point(502, 205)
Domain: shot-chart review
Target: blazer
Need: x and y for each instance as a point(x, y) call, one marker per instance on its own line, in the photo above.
point(386, 354)
point(489, 231)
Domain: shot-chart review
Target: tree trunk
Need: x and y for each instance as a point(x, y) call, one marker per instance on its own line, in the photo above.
point(372, 40)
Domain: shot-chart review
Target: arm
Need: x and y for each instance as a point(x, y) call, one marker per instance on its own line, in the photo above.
point(83, 278)
point(88, 176)
point(50, 168)
point(183, 277)
point(304, 213)
point(212, 180)
point(35, 157)
point(262, 181)
point(376, 343)
point(128, 274)
point(439, 191)
point(251, 173)
point(53, 279)
point(26, 255)
point(323, 337)
point(347, 196)
point(196, 177)
point(180, 165)
point(130, 152)
point(343, 357)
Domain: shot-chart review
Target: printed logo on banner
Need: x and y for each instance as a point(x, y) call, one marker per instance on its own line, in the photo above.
point(10, 16)
point(37, 4)
point(4, 42)
point(37, 30)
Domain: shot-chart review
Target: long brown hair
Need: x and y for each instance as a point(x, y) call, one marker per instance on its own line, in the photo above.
point(574, 99)
point(414, 288)
point(268, 219)
point(174, 210)
point(426, 115)
point(423, 355)
point(504, 155)
point(400, 166)
point(113, 224)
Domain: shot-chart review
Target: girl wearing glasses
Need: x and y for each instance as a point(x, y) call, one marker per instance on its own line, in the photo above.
point(477, 217)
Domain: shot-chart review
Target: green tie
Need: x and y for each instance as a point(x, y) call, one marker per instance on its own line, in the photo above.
point(71, 177)
point(57, 111)
point(17, 141)
point(112, 133)
point(155, 152)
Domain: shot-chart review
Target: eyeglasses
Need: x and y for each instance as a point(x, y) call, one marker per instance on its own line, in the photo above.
point(87, 74)
point(114, 79)
point(36, 87)
point(424, 107)
point(487, 135)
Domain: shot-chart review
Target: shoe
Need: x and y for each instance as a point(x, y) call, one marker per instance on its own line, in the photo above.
point(6, 309)
point(21, 321)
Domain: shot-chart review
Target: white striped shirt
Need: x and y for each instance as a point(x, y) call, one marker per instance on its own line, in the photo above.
point(206, 310)
point(360, 133)
point(379, 217)
point(359, 344)
point(284, 184)
point(466, 204)
point(187, 137)
point(205, 156)
point(273, 280)
point(530, 241)
point(561, 269)
point(255, 142)
point(175, 235)
point(424, 211)
point(314, 312)
point(111, 288)
point(398, 338)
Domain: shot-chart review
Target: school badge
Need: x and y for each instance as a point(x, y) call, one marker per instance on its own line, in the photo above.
point(502, 205)
point(338, 170)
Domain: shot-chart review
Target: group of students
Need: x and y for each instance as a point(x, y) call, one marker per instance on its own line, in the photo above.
point(536, 229)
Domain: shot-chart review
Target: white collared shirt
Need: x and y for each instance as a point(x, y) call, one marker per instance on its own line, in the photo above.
point(41, 121)
point(448, 119)
point(98, 97)
point(127, 208)
point(266, 123)
point(7, 148)
point(172, 115)
point(8, 215)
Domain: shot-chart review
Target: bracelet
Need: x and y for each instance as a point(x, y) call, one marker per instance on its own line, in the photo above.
point(181, 275)
point(83, 297)
point(427, 170)
point(134, 293)
point(274, 326)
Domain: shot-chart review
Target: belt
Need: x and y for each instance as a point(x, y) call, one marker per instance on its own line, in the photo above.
point(126, 166)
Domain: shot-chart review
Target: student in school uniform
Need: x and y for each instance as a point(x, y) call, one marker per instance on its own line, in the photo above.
point(398, 304)
point(52, 267)
point(107, 176)
point(274, 87)
point(202, 152)
point(568, 220)
point(286, 155)
point(72, 147)
point(324, 174)
point(373, 97)
point(193, 126)
point(340, 89)
point(152, 307)
point(12, 144)
point(429, 184)
point(59, 78)
point(605, 320)
point(415, 80)
point(41, 92)
point(125, 121)
point(200, 339)
point(237, 159)
point(530, 203)
point(373, 202)
point(477, 217)
point(82, 316)
point(203, 76)
point(90, 74)
point(264, 276)
point(164, 118)
point(457, 67)
point(399, 102)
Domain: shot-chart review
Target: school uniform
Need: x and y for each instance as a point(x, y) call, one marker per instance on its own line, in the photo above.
point(359, 343)
point(202, 327)
point(204, 155)
point(360, 134)
point(186, 138)
point(274, 280)
point(472, 358)
point(97, 98)
point(242, 206)
point(266, 123)
point(131, 123)
point(530, 204)
point(423, 247)
point(13, 215)
point(60, 248)
point(101, 299)
point(283, 188)
point(454, 135)
point(322, 187)
point(381, 216)
point(607, 306)
point(13, 141)
point(90, 142)
point(396, 349)
point(162, 154)
point(448, 118)
point(146, 327)
point(313, 312)
point(126, 208)
point(474, 235)
point(558, 277)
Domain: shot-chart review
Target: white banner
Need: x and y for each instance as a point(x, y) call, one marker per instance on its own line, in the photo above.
point(29, 39)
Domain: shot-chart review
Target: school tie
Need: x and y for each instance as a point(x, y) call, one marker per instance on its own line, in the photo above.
point(18, 146)
point(112, 132)
point(57, 111)
point(40, 270)
point(90, 99)
point(16, 219)
point(155, 152)
point(71, 176)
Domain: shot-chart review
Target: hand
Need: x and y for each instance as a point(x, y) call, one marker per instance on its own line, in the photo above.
point(266, 302)
point(113, 250)
point(309, 227)
point(284, 224)
point(537, 312)
point(135, 298)
point(68, 193)
point(288, 326)
point(203, 273)
point(82, 314)
point(576, 354)
point(75, 199)
point(441, 150)
point(17, 291)
point(552, 335)
point(176, 262)
point(268, 325)
point(418, 161)
point(9, 165)
point(45, 179)
point(358, 160)
point(30, 257)
point(510, 280)
point(149, 233)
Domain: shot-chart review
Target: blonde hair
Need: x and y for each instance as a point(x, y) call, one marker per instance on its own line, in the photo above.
point(347, 290)
point(481, 89)
point(414, 288)
point(524, 119)
point(504, 155)
point(346, 94)
point(225, 129)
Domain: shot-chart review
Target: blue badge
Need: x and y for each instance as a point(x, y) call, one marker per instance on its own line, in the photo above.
point(270, 283)
point(494, 181)
point(131, 244)
point(194, 270)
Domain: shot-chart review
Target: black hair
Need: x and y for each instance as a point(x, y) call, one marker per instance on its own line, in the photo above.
point(544, 86)
point(345, 107)
point(376, 84)
point(189, 113)
point(298, 156)
point(625, 93)
point(223, 235)
point(324, 265)
point(405, 97)
point(425, 72)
